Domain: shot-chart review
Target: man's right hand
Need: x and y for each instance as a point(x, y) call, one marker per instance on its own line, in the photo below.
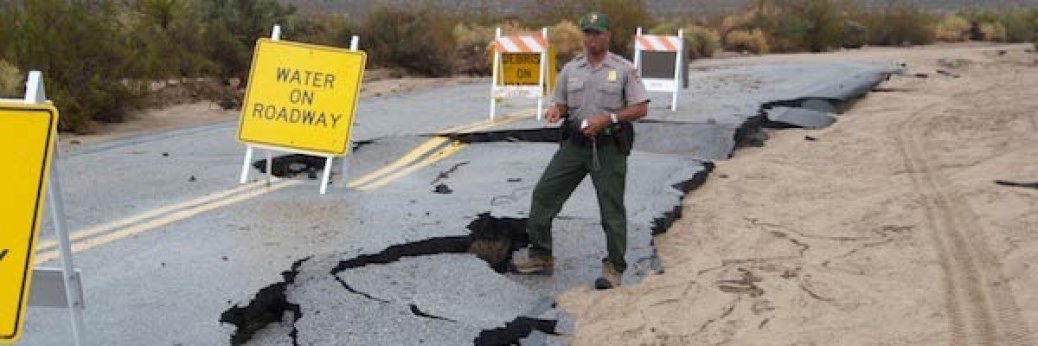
point(554, 114)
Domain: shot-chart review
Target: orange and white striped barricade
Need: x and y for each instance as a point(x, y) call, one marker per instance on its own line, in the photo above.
point(520, 68)
point(659, 59)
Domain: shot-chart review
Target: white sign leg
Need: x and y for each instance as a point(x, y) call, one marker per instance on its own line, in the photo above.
point(35, 93)
point(245, 165)
point(327, 173)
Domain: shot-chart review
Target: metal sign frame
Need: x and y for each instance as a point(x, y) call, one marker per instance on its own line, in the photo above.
point(676, 81)
point(506, 91)
point(275, 35)
point(70, 279)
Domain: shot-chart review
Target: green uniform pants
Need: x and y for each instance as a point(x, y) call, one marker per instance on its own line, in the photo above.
point(567, 169)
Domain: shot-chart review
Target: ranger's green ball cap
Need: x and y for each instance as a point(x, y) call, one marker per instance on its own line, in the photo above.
point(596, 21)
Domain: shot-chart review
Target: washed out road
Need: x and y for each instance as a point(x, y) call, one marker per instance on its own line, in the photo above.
point(174, 251)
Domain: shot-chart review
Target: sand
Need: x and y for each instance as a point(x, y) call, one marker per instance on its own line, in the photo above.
point(887, 228)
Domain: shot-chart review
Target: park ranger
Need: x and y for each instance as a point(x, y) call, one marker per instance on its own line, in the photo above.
point(599, 94)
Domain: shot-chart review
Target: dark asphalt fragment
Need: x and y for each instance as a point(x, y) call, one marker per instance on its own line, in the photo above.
point(1033, 185)
point(661, 224)
point(538, 135)
point(492, 239)
point(513, 331)
point(809, 138)
point(419, 313)
point(288, 166)
point(443, 189)
point(268, 306)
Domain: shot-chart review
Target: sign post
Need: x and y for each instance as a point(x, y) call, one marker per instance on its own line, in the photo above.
point(659, 58)
point(521, 69)
point(301, 98)
point(29, 130)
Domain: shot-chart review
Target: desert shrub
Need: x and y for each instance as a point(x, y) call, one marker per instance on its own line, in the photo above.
point(790, 33)
point(735, 22)
point(855, 35)
point(825, 25)
point(321, 29)
point(747, 41)
point(472, 42)
point(897, 24)
point(667, 27)
point(417, 39)
point(625, 16)
point(165, 36)
point(567, 39)
point(994, 32)
point(702, 42)
point(952, 28)
point(1021, 25)
point(10, 80)
point(232, 28)
point(79, 49)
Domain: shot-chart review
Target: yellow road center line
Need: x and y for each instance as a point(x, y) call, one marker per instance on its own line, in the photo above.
point(118, 229)
point(108, 226)
point(435, 143)
point(443, 153)
point(435, 157)
point(408, 158)
point(162, 221)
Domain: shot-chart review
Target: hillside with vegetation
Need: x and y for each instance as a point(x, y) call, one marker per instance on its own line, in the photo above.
point(100, 57)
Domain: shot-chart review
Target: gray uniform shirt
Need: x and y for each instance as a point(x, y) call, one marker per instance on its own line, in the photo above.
point(608, 88)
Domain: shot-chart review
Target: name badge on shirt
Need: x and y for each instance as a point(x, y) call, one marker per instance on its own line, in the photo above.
point(612, 76)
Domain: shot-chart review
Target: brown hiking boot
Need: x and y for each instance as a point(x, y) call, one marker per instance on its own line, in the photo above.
point(610, 277)
point(534, 265)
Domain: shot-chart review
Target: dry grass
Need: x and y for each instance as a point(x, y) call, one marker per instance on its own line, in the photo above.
point(567, 40)
point(702, 42)
point(752, 41)
point(995, 32)
point(10, 79)
point(952, 28)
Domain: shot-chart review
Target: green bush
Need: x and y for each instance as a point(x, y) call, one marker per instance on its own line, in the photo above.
point(85, 64)
point(952, 28)
point(855, 35)
point(417, 39)
point(625, 16)
point(165, 35)
point(232, 28)
point(702, 42)
point(897, 24)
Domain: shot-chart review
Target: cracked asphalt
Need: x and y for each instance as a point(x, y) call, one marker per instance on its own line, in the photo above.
point(173, 242)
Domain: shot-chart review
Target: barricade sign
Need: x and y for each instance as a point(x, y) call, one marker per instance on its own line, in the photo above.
point(27, 133)
point(518, 69)
point(521, 68)
point(659, 58)
point(301, 97)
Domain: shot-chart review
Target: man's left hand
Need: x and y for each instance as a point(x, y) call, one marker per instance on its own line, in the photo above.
point(596, 125)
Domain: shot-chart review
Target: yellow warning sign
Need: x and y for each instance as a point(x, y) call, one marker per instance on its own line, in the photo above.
point(301, 96)
point(27, 135)
point(524, 68)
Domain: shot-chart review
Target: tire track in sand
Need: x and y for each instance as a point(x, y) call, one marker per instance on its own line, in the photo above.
point(981, 307)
